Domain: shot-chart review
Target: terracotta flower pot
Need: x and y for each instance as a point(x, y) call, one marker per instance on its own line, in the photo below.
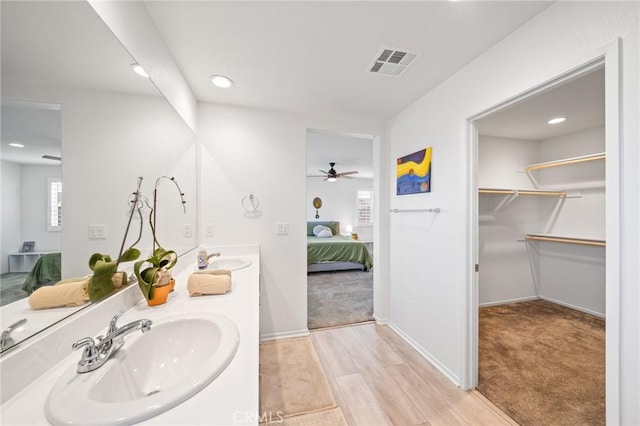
point(160, 295)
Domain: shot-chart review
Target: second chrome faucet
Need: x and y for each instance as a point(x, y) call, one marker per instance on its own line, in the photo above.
point(95, 354)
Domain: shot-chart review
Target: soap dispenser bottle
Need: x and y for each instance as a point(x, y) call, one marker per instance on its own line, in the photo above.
point(203, 259)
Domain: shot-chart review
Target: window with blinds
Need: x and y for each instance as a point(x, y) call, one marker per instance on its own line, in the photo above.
point(54, 205)
point(364, 208)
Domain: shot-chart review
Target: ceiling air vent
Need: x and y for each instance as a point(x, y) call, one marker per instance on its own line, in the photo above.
point(392, 62)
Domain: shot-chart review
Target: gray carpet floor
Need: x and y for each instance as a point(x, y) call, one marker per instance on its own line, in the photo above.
point(11, 287)
point(339, 298)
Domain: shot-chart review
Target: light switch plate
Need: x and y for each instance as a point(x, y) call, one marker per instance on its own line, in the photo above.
point(282, 229)
point(97, 232)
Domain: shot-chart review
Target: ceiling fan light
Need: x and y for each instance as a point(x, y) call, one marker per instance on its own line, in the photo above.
point(331, 179)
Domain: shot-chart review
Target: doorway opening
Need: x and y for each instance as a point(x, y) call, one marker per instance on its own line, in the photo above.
point(541, 235)
point(340, 237)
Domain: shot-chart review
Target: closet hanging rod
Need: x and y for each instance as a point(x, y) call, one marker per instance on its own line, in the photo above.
point(574, 160)
point(523, 192)
point(568, 240)
point(434, 210)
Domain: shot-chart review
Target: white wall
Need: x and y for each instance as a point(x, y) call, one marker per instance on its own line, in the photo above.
point(582, 216)
point(429, 264)
point(252, 151)
point(569, 274)
point(33, 209)
point(339, 200)
point(11, 195)
point(24, 209)
point(130, 136)
point(505, 261)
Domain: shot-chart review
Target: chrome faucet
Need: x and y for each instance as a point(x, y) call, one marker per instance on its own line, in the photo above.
point(6, 340)
point(203, 258)
point(95, 354)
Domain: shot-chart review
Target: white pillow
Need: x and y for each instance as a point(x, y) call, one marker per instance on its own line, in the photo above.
point(318, 228)
point(325, 233)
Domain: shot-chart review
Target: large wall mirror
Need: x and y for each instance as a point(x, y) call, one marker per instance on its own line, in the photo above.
point(78, 129)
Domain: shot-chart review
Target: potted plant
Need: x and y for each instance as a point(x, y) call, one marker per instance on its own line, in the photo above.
point(106, 278)
point(155, 280)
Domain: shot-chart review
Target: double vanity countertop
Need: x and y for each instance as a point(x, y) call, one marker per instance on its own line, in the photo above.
point(232, 397)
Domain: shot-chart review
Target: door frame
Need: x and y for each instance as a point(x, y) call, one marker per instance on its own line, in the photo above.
point(609, 57)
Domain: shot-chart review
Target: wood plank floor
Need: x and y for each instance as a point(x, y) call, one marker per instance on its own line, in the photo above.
point(378, 379)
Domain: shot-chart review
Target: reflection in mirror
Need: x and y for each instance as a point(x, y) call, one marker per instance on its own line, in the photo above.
point(113, 125)
point(31, 192)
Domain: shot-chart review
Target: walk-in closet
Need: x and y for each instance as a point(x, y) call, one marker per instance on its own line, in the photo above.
point(541, 236)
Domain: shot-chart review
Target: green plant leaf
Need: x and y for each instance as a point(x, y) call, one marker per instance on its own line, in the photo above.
point(130, 255)
point(161, 259)
point(147, 278)
point(166, 258)
point(96, 257)
point(101, 284)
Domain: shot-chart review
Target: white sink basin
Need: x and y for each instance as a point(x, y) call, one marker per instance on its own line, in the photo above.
point(150, 374)
point(230, 263)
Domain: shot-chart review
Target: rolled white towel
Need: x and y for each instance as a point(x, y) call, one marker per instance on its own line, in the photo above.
point(69, 292)
point(209, 282)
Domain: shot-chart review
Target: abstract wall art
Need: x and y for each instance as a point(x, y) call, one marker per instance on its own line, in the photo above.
point(414, 173)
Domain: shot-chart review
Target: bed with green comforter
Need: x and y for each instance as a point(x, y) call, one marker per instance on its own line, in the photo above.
point(337, 252)
point(46, 271)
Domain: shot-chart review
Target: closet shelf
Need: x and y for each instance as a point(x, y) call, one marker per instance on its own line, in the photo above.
point(565, 161)
point(567, 240)
point(512, 194)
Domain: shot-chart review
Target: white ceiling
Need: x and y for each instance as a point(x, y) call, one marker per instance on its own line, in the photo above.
point(310, 56)
point(314, 56)
point(37, 126)
point(581, 101)
point(349, 152)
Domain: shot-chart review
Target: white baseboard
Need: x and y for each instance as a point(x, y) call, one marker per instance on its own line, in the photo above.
point(379, 320)
point(284, 335)
point(577, 308)
point(425, 354)
point(504, 302)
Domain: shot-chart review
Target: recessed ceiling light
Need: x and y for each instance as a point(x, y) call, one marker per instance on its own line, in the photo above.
point(137, 68)
point(221, 81)
point(16, 145)
point(556, 120)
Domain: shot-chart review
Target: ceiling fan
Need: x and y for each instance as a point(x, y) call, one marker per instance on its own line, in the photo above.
point(332, 175)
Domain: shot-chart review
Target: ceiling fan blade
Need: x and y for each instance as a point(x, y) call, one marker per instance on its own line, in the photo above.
point(353, 172)
point(323, 171)
point(322, 176)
